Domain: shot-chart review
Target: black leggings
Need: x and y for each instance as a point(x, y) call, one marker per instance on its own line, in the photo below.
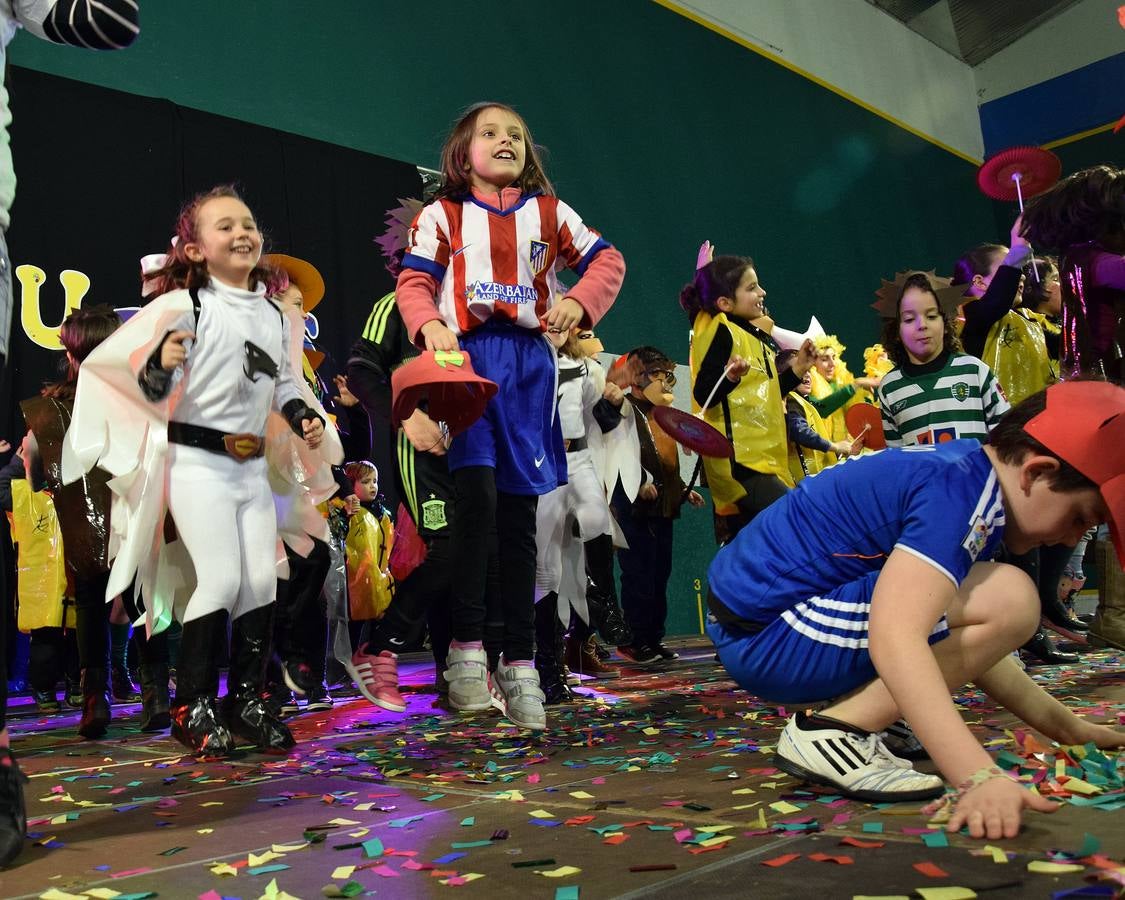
point(481, 511)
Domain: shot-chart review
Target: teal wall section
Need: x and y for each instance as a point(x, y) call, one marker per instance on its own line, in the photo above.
point(660, 133)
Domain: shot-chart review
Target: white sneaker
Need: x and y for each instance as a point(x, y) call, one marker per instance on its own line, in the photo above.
point(855, 765)
point(467, 674)
point(516, 693)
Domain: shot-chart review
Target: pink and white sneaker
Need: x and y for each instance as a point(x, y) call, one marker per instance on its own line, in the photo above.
point(377, 678)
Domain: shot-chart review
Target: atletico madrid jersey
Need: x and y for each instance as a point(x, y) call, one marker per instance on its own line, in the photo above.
point(494, 263)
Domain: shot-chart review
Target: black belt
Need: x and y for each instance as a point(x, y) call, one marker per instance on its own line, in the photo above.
point(575, 444)
point(723, 615)
point(238, 446)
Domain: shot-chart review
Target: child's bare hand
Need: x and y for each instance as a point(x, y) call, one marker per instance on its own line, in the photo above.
point(438, 336)
point(346, 397)
point(647, 492)
point(737, 367)
point(1018, 240)
point(351, 504)
point(992, 810)
point(695, 499)
point(868, 384)
point(613, 394)
point(565, 314)
point(805, 359)
point(172, 351)
point(313, 431)
point(4, 446)
point(424, 433)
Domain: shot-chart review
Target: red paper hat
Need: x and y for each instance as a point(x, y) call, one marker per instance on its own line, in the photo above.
point(1083, 422)
point(693, 432)
point(455, 394)
point(1038, 170)
point(859, 417)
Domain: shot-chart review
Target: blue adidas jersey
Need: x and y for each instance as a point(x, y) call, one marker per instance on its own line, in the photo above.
point(941, 503)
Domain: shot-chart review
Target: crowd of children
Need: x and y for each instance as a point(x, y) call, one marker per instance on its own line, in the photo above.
point(503, 549)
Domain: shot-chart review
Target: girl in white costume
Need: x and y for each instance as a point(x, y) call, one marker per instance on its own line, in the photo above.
point(211, 355)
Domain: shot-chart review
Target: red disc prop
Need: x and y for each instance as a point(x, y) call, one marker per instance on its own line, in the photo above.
point(1038, 170)
point(693, 432)
point(864, 419)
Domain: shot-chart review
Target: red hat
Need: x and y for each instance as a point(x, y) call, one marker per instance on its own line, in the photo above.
point(1084, 424)
point(455, 393)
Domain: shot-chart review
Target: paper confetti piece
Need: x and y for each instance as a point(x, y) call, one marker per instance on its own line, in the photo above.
point(561, 872)
point(103, 893)
point(946, 893)
point(223, 869)
point(469, 820)
point(373, 848)
point(1043, 867)
point(838, 860)
point(930, 870)
point(997, 854)
point(935, 839)
point(342, 822)
point(342, 873)
point(567, 892)
point(866, 845)
point(779, 861)
point(540, 814)
point(262, 859)
point(580, 795)
point(784, 808)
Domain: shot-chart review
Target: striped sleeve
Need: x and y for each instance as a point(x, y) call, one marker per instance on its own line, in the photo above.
point(578, 243)
point(890, 427)
point(992, 397)
point(93, 24)
point(427, 244)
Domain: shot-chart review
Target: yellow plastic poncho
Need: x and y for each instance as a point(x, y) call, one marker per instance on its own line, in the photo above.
point(753, 415)
point(368, 547)
point(815, 460)
point(40, 569)
point(1016, 351)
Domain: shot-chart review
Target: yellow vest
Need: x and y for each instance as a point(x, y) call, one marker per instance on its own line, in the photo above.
point(1016, 351)
point(752, 415)
point(816, 460)
point(40, 569)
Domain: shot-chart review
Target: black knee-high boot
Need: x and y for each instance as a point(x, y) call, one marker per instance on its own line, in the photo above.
point(243, 709)
point(155, 703)
point(195, 716)
point(549, 651)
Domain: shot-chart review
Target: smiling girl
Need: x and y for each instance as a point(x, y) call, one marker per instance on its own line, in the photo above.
point(480, 274)
point(936, 393)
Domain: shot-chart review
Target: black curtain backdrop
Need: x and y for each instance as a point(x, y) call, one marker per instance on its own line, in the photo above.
point(102, 175)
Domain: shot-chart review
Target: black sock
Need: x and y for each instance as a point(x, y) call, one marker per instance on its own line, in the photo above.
point(817, 722)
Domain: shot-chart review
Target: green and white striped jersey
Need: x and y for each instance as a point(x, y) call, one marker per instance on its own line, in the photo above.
point(954, 396)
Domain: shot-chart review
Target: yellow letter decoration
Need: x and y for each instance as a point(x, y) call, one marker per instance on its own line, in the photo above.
point(31, 278)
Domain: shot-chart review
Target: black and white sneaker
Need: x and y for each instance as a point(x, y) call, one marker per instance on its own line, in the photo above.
point(318, 699)
point(858, 766)
point(900, 739)
point(641, 654)
point(665, 653)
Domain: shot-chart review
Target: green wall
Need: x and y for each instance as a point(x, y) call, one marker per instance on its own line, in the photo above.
point(659, 132)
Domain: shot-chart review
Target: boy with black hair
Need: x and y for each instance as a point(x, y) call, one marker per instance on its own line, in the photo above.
point(883, 620)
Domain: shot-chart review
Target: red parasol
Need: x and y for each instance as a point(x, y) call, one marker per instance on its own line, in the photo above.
point(1019, 172)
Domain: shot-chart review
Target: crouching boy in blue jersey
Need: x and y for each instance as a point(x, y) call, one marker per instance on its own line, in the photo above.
point(860, 593)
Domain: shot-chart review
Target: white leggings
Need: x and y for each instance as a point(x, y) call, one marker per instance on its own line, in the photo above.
point(224, 514)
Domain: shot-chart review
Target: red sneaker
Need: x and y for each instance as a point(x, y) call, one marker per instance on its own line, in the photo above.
point(377, 678)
